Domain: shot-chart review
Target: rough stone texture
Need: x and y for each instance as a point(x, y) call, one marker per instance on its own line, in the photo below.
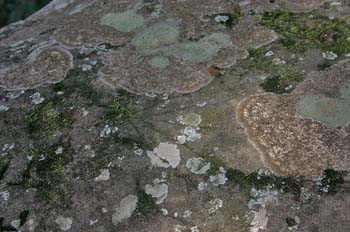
point(151, 115)
point(295, 145)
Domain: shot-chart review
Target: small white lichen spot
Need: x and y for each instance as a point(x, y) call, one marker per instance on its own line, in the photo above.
point(104, 175)
point(260, 220)
point(64, 223)
point(269, 53)
point(191, 134)
point(215, 205)
point(202, 186)
point(16, 223)
point(194, 229)
point(179, 228)
point(329, 55)
point(59, 150)
point(221, 18)
point(5, 195)
point(278, 61)
point(4, 108)
point(37, 99)
point(187, 213)
point(164, 211)
point(93, 222)
point(201, 104)
point(198, 165)
point(181, 139)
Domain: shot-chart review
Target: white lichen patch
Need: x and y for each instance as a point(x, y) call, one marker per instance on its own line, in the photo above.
point(104, 175)
point(214, 205)
point(157, 190)
point(191, 134)
point(191, 119)
point(259, 221)
point(125, 209)
point(65, 223)
point(165, 155)
point(329, 55)
point(37, 99)
point(59, 150)
point(202, 186)
point(6, 148)
point(221, 18)
point(127, 21)
point(198, 165)
point(220, 178)
point(4, 108)
point(5, 195)
point(262, 197)
point(107, 130)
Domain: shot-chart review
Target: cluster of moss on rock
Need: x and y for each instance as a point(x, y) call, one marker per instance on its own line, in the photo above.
point(304, 31)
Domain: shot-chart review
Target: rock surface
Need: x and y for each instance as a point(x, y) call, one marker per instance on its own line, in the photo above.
point(176, 115)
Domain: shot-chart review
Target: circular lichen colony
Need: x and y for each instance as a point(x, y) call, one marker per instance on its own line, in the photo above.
point(332, 112)
point(125, 22)
point(155, 37)
point(159, 62)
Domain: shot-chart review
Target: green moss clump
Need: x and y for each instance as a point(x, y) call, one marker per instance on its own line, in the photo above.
point(283, 83)
point(261, 181)
point(44, 120)
point(304, 31)
point(23, 216)
point(117, 113)
point(146, 205)
point(46, 173)
point(332, 181)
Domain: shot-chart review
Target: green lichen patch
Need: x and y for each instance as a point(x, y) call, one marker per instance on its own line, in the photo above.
point(305, 31)
point(46, 173)
point(150, 40)
point(159, 62)
point(146, 205)
point(43, 120)
point(127, 21)
point(332, 181)
point(285, 82)
point(117, 113)
point(261, 181)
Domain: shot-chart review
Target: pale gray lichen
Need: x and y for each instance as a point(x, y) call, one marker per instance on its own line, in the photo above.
point(65, 223)
point(159, 62)
point(157, 190)
point(127, 21)
point(150, 40)
point(125, 209)
point(197, 165)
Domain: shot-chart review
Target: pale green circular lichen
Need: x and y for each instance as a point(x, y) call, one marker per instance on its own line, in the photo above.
point(201, 51)
point(156, 36)
point(192, 119)
point(159, 62)
point(127, 21)
point(332, 112)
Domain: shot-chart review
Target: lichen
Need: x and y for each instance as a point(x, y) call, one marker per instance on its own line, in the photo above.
point(326, 34)
point(159, 62)
point(151, 39)
point(127, 21)
point(332, 112)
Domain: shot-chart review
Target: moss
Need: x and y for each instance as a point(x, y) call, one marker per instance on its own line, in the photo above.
point(43, 120)
point(146, 205)
point(285, 82)
point(304, 31)
point(215, 163)
point(47, 174)
point(332, 181)
point(23, 216)
point(261, 181)
point(232, 18)
point(117, 113)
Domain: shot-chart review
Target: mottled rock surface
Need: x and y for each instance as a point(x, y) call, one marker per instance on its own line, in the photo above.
point(176, 115)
